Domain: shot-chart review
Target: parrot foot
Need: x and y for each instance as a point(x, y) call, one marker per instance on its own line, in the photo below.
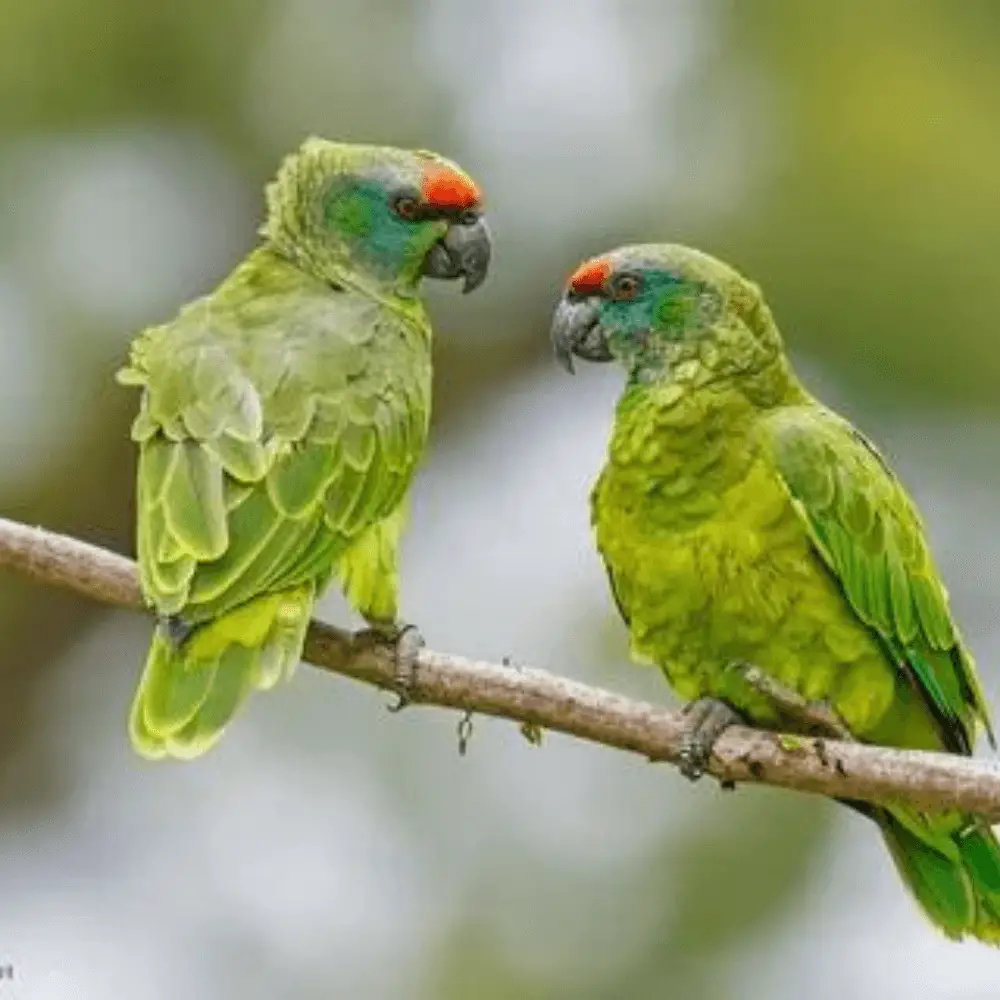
point(708, 719)
point(176, 630)
point(407, 642)
point(818, 715)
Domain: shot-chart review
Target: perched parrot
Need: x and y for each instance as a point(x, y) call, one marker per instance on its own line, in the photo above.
point(765, 557)
point(281, 420)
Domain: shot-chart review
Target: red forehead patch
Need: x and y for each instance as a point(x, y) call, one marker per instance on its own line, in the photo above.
point(448, 189)
point(590, 276)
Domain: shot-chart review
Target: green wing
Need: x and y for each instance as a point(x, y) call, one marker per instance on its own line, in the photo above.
point(868, 532)
point(258, 467)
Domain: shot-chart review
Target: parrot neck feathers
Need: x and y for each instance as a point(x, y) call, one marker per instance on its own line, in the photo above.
point(744, 353)
point(334, 264)
point(675, 411)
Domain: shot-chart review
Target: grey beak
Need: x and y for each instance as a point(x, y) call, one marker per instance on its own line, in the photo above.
point(576, 330)
point(464, 252)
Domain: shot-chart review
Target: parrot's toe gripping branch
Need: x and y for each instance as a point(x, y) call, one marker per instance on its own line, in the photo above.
point(818, 716)
point(407, 642)
point(708, 719)
point(176, 630)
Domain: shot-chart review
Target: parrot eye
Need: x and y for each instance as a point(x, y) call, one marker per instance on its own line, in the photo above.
point(406, 207)
point(625, 287)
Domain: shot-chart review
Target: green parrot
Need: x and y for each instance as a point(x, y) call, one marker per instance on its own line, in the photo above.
point(281, 420)
point(765, 557)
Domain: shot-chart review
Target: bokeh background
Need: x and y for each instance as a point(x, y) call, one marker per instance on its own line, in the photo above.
point(845, 155)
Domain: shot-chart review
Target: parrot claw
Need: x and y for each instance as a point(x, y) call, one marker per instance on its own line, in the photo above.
point(708, 719)
point(820, 716)
point(407, 642)
point(176, 630)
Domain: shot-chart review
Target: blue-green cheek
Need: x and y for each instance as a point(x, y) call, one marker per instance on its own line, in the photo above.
point(390, 245)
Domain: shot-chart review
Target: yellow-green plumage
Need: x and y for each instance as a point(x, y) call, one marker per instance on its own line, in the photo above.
point(740, 520)
point(282, 418)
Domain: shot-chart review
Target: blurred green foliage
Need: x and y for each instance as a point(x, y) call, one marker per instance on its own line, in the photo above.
point(876, 232)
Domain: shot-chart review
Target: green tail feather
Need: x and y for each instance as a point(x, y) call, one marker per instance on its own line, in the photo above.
point(188, 695)
point(952, 866)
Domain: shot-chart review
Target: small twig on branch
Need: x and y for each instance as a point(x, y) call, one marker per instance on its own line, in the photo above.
point(535, 698)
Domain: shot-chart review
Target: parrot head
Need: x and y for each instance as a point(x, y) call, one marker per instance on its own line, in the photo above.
point(664, 311)
point(389, 215)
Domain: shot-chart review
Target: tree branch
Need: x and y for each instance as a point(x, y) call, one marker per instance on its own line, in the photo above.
point(539, 699)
